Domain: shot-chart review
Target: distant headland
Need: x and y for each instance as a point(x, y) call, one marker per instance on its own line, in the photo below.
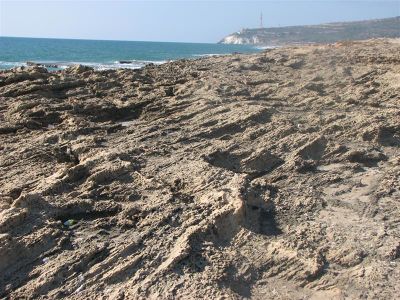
point(324, 33)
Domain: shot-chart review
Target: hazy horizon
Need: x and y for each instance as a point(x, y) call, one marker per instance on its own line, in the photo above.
point(174, 21)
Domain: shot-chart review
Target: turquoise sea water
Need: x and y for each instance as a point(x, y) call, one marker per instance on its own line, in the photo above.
point(103, 54)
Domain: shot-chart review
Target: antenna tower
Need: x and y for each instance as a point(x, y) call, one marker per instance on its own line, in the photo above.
point(261, 21)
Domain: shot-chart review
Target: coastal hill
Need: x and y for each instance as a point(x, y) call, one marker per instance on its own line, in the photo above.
point(324, 33)
point(265, 176)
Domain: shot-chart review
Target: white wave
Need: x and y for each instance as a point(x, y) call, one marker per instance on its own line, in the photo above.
point(265, 47)
point(210, 54)
point(10, 64)
point(133, 64)
point(134, 61)
point(101, 66)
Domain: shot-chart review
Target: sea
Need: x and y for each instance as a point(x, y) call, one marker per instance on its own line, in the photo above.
point(104, 54)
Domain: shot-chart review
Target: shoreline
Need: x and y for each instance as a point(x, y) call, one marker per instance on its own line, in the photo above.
point(104, 55)
point(100, 66)
point(138, 64)
point(272, 174)
point(116, 65)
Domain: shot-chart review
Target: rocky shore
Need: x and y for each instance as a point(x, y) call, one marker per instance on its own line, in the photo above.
point(263, 176)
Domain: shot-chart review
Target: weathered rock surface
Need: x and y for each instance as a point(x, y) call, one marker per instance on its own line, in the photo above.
point(267, 176)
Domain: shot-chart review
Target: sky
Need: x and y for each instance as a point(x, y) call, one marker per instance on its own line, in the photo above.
point(178, 21)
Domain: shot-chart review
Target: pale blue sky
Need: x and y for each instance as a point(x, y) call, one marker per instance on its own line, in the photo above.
point(182, 21)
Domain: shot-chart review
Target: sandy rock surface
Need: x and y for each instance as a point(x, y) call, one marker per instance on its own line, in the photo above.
point(265, 176)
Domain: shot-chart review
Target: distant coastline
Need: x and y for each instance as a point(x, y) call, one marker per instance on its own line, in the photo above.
point(323, 33)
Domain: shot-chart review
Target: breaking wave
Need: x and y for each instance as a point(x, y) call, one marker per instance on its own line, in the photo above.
point(54, 65)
